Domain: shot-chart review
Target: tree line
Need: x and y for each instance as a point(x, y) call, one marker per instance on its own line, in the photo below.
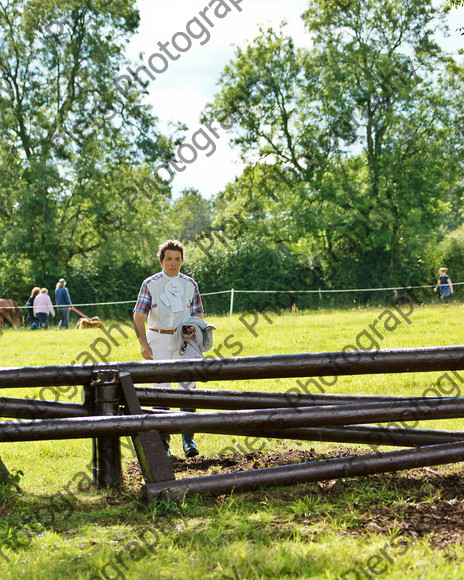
point(352, 148)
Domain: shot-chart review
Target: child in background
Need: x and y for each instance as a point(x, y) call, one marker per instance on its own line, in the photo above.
point(445, 285)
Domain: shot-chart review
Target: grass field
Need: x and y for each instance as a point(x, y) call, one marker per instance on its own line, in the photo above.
point(351, 529)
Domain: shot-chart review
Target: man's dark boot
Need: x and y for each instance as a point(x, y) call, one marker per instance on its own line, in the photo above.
point(166, 439)
point(190, 449)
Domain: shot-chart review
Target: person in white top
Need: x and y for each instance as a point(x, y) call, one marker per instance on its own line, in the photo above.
point(167, 300)
point(43, 307)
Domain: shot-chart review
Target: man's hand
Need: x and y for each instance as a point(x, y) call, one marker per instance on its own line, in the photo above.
point(147, 353)
point(191, 332)
point(139, 327)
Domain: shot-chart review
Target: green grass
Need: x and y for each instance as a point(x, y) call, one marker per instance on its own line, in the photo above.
point(296, 532)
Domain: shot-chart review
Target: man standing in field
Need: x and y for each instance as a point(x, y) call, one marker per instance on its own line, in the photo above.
point(167, 299)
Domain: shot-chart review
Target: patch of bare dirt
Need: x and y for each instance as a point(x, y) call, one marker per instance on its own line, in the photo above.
point(427, 502)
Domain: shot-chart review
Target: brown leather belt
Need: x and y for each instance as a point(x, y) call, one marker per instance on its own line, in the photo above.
point(161, 331)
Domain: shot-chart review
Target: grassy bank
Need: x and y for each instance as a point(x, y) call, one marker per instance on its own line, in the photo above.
point(59, 526)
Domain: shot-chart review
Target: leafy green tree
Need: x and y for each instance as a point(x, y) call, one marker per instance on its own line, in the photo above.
point(244, 263)
point(366, 120)
point(75, 146)
point(450, 254)
point(189, 217)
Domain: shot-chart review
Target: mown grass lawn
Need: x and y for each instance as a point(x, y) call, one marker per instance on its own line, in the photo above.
point(60, 527)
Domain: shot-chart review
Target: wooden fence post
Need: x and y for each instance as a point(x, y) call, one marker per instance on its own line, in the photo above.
point(149, 447)
point(107, 450)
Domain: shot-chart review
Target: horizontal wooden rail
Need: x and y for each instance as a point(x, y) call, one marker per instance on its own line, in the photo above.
point(199, 399)
point(230, 422)
point(365, 434)
point(218, 399)
point(439, 358)
point(33, 409)
point(316, 471)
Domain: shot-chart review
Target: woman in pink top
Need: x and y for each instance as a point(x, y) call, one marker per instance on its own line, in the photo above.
point(43, 307)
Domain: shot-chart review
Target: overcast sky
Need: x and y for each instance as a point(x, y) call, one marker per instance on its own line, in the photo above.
point(189, 83)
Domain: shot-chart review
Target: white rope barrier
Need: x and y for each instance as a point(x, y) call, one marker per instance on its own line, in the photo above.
point(83, 304)
point(233, 291)
point(342, 290)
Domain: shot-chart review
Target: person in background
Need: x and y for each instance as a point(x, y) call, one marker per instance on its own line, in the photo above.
point(167, 299)
point(43, 307)
point(63, 302)
point(30, 318)
point(444, 284)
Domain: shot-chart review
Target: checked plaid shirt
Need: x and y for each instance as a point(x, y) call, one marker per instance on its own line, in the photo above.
point(160, 315)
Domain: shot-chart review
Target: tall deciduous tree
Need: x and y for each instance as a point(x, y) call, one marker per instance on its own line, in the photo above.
point(367, 120)
point(73, 147)
point(189, 217)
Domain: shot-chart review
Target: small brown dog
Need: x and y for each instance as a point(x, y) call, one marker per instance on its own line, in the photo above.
point(93, 322)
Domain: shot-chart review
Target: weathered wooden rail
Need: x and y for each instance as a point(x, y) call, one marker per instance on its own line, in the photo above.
point(407, 360)
point(112, 408)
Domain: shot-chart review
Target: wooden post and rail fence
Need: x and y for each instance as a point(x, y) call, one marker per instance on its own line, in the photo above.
point(113, 402)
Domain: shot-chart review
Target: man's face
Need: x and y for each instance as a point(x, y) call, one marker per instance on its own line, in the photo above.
point(171, 262)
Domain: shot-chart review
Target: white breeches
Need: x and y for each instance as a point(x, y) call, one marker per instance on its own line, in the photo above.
point(164, 348)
